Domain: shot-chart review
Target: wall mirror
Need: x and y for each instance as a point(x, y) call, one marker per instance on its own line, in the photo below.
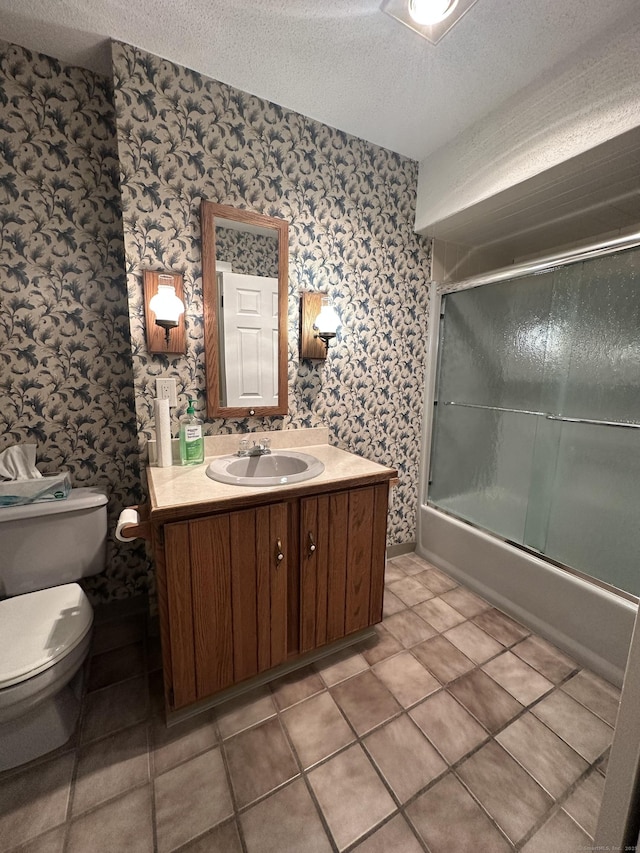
point(245, 260)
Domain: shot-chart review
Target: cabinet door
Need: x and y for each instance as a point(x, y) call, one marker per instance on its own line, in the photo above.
point(342, 551)
point(239, 592)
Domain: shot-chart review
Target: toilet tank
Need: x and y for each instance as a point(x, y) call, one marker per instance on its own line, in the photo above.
point(52, 542)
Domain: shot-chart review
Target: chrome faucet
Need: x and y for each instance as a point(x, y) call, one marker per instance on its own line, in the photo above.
point(261, 449)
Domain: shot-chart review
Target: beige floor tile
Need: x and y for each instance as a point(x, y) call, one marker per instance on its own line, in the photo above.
point(439, 614)
point(395, 836)
point(436, 581)
point(408, 564)
point(259, 761)
point(286, 822)
point(551, 762)
point(443, 659)
point(584, 803)
point(473, 642)
point(296, 686)
point(486, 700)
point(173, 744)
point(245, 711)
point(116, 633)
point(404, 756)
point(365, 701)
point(391, 604)
point(451, 729)
point(575, 724)
point(122, 824)
point(408, 628)
point(467, 602)
point(545, 658)
point(410, 591)
point(222, 839)
point(113, 708)
point(406, 678)
point(518, 678)
point(351, 795)
point(449, 819)
point(317, 729)
point(379, 647)
point(340, 666)
point(35, 800)
point(116, 665)
point(501, 627)
point(109, 767)
point(596, 694)
point(512, 798)
point(393, 572)
point(442, 577)
point(50, 842)
point(558, 835)
point(190, 799)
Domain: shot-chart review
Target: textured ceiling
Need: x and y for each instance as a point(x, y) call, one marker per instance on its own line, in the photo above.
point(342, 62)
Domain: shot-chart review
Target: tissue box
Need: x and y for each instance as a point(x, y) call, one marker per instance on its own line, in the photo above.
point(50, 487)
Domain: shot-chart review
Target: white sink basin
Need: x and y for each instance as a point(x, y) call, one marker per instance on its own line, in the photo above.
point(279, 468)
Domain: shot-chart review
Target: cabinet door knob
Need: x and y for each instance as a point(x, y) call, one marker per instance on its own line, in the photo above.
point(279, 552)
point(312, 544)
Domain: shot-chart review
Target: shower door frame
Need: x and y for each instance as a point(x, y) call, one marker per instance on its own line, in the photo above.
point(437, 292)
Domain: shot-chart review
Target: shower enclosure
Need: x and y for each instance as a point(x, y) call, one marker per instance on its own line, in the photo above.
point(535, 436)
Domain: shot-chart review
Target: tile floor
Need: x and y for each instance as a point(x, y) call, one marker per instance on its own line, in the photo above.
point(455, 729)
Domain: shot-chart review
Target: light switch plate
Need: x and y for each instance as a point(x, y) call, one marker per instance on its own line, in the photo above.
point(166, 390)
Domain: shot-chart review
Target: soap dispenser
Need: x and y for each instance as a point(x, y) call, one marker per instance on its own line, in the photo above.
point(191, 438)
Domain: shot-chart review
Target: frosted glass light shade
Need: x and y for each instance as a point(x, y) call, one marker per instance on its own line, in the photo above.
point(426, 12)
point(327, 322)
point(166, 305)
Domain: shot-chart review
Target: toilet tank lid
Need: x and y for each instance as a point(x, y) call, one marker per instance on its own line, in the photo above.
point(78, 499)
point(37, 629)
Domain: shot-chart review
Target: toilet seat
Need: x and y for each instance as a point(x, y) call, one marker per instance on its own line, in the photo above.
point(38, 629)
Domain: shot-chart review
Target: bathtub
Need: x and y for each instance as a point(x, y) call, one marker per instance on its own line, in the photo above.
point(589, 623)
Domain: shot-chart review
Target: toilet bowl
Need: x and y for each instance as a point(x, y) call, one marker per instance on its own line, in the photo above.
point(45, 634)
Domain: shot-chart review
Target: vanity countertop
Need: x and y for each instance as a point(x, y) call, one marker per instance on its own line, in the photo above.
point(184, 491)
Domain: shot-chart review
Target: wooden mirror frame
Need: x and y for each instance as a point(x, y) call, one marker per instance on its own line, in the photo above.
point(209, 211)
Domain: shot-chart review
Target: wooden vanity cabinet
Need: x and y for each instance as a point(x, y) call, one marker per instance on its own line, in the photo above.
point(241, 592)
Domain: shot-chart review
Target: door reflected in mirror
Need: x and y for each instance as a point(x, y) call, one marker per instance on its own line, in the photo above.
point(244, 274)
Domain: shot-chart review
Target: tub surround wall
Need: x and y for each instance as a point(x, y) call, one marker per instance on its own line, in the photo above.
point(66, 377)
point(350, 205)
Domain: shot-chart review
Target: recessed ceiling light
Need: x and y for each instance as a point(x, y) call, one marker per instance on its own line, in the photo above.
point(429, 18)
point(431, 11)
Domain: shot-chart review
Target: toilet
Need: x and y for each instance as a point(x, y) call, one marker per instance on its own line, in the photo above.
point(45, 618)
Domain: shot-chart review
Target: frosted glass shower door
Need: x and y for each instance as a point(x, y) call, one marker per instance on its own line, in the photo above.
point(492, 363)
point(536, 434)
point(594, 499)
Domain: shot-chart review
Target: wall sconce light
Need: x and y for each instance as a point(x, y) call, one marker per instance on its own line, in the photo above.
point(318, 324)
point(164, 312)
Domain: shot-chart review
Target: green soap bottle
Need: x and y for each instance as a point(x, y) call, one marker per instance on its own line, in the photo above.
point(191, 438)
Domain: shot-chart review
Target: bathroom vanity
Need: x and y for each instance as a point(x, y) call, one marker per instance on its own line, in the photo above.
point(255, 580)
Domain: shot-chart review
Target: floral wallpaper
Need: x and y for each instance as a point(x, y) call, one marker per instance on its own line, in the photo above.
point(66, 378)
point(350, 205)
